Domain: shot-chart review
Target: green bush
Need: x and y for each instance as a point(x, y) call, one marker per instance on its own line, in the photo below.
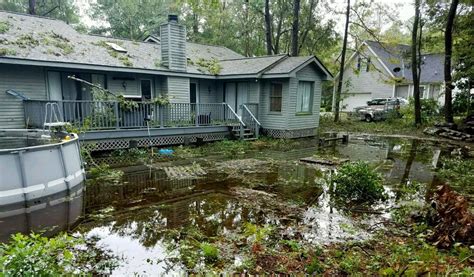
point(458, 172)
point(429, 111)
point(210, 252)
point(358, 182)
point(462, 103)
point(35, 255)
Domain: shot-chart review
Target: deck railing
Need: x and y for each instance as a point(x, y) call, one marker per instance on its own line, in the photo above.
point(102, 115)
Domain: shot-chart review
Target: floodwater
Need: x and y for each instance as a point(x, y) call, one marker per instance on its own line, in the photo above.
point(136, 219)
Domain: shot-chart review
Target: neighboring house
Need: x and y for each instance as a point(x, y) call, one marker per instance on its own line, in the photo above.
point(383, 70)
point(210, 88)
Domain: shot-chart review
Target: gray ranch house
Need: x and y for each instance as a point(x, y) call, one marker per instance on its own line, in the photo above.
point(379, 70)
point(181, 91)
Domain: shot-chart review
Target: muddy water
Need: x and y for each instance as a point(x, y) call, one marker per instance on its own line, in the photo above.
point(137, 219)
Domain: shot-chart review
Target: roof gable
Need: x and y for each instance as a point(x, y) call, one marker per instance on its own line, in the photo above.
point(397, 60)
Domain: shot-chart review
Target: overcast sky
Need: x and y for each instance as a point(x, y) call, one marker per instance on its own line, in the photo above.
point(405, 8)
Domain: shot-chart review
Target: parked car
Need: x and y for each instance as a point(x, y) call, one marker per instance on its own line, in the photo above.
point(379, 108)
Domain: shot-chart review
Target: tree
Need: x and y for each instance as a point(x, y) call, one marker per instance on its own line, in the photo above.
point(415, 61)
point(65, 10)
point(295, 28)
point(448, 45)
point(268, 28)
point(341, 68)
point(32, 7)
point(132, 19)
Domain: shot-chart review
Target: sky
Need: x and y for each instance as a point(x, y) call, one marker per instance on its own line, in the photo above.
point(405, 9)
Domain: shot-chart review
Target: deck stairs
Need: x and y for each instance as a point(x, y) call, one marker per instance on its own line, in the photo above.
point(247, 133)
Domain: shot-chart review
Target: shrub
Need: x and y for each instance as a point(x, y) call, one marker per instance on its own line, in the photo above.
point(210, 252)
point(462, 102)
point(35, 255)
point(429, 110)
point(358, 182)
point(457, 172)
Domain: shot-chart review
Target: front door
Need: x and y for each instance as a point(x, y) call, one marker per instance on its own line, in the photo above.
point(192, 93)
point(242, 92)
point(236, 95)
point(54, 86)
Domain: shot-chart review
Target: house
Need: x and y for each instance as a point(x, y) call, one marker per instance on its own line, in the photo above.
point(379, 70)
point(213, 91)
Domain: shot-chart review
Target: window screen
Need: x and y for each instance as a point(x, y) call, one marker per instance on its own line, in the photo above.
point(276, 97)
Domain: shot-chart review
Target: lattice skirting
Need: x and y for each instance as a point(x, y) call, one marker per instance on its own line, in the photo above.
point(287, 134)
point(101, 145)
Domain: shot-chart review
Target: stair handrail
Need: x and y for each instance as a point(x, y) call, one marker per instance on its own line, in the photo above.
point(251, 114)
point(254, 119)
point(236, 115)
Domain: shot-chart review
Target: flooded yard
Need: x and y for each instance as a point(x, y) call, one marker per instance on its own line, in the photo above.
point(220, 212)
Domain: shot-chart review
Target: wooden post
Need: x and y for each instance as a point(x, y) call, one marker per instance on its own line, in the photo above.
point(196, 119)
point(116, 112)
point(160, 112)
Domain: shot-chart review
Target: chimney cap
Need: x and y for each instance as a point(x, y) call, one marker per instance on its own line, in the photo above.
point(172, 18)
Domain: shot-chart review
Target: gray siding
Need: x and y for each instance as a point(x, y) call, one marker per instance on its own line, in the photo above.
point(132, 87)
point(272, 120)
point(178, 89)
point(116, 86)
point(253, 95)
point(308, 73)
point(207, 91)
point(373, 82)
point(28, 80)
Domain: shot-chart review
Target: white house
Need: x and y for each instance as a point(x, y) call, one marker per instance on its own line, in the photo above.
point(383, 70)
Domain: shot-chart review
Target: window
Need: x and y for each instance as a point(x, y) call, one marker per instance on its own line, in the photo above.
point(424, 93)
point(368, 65)
point(276, 97)
point(304, 97)
point(145, 88)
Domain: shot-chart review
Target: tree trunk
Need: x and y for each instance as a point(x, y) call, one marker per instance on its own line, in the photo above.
point(295, 28)
point(32, 7)
point(448, 49)
point(414, 64)
point(341, 68)
point(268, 28)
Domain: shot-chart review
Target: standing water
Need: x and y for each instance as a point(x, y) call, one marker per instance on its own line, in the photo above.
point(142, 218)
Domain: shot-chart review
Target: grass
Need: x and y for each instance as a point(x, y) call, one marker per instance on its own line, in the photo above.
point(4, 27)
point(353, 124)
point(7, 52)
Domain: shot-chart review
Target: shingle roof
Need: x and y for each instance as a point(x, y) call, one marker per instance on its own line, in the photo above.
point(49, 40)
point(248, 65)
point(204, 51)
point(398, 56)
point(288, 65)
point(39, 38)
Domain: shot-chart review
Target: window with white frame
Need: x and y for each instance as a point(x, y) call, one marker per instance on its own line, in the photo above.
point(304, 97)
point(424, 92)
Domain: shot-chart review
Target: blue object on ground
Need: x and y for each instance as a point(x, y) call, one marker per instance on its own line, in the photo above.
point(166, 152)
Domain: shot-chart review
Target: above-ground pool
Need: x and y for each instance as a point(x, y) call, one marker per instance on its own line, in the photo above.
point(34, 169)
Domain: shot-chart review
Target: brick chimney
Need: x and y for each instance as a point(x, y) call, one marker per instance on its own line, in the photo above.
point(173, 44)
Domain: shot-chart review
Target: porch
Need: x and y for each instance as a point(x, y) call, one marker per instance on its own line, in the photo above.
point(107, 120)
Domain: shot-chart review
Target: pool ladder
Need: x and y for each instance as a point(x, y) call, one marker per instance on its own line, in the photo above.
point(52, 112)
